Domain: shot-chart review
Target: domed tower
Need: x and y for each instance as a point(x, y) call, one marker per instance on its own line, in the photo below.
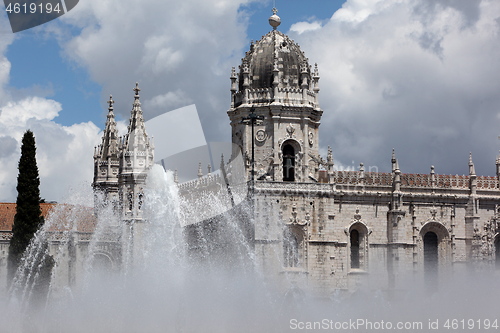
point(276, 84)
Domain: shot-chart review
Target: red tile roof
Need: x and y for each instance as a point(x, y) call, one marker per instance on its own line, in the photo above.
point(63, 214)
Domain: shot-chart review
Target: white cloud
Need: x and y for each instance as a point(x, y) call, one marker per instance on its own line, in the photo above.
point(179, 52)
point(31, 107)
point(301, 27)
point(421, 78)
point(61, 150)
point(168, 100)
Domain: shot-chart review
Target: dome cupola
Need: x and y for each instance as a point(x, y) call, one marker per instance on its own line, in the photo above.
point(275, 70)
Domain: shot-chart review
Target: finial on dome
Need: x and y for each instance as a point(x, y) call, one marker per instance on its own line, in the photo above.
point(111, 102)
point(274, 20)
point(136, 89)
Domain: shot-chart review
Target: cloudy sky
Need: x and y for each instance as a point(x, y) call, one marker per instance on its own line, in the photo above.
point(419, 76)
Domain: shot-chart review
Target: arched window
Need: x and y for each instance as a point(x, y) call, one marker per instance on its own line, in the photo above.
point(140, 200)
point(354, 248)
point(288, 163)
point(130, 197)
point(291, 245)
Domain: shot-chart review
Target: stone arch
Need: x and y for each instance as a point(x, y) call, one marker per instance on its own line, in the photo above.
point(290, 150)
point(437, 228)
point(357, 234)
point(102, 262)
point(435, 251)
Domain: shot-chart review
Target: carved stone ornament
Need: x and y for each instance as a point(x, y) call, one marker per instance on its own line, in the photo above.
point(294, 220)
point(357, 216)
point(290, 130)
point(260, 136)
point(311, 138)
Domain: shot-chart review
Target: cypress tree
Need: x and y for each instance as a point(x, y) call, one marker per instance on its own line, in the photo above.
point(28, 218)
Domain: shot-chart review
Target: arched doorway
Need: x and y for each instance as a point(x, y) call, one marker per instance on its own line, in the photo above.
point(354, 238)
point(288, 163)
point(358, 245)
point(430, 252)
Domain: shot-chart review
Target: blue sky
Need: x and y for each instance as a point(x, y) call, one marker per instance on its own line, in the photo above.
point(418, 76)
point(38, 63)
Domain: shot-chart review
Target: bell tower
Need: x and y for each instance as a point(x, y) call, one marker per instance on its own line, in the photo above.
point(276, 84)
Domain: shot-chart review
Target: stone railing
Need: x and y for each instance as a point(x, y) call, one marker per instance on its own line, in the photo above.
point(5, 235)
point(414, 180)
point(205, 181)
point(264, 95)
point(294, 96)
point(355, 178)
point(487, 183)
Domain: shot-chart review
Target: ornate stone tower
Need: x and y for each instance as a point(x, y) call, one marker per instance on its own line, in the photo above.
point(136, 158)
point(277, 84)
point(107, 160)
point(121, 163)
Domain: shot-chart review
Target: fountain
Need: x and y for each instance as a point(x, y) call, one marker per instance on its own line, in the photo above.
point(165, 283)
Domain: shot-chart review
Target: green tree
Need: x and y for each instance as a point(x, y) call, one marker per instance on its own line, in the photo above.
point(28, 218)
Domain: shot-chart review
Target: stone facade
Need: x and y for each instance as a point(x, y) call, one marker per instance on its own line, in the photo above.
point(331, 229)
point(307, 223)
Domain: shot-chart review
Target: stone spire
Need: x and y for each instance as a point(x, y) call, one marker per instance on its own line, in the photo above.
point(433, 176)
point(472, 169)
point(136, 138)
point(234, 85)
point(498, 167)
point(200, 171)
point(361, 173)
point(393, 160)
point(106, 158)
point(136, 128)
point(136, 158)
point(472, 176)
point(397, 177)
point(109, 145)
